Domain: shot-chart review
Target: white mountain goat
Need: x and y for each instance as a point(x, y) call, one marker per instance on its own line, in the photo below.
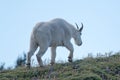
point(56, 32)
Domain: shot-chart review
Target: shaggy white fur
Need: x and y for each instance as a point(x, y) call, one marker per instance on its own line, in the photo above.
point(56, 32)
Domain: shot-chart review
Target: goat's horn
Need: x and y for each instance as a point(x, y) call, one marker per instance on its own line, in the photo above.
point(77, 25)
point(81, 27)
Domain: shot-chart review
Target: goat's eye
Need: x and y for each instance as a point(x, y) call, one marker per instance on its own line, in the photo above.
point(80, 33)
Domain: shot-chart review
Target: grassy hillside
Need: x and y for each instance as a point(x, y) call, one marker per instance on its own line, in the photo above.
point(103, 67)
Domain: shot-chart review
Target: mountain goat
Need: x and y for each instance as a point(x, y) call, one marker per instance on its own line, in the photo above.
point(56, 32)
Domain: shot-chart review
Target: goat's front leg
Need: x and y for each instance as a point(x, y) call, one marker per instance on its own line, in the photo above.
point(69, 46)
point(53, 55)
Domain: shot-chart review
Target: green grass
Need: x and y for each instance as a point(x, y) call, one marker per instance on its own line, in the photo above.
point(105, 67)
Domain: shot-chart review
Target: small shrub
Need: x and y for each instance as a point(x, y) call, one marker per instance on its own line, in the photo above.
point(21, 61)
point(2, 66)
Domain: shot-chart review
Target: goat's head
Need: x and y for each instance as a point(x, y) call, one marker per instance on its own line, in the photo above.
point(77, 35)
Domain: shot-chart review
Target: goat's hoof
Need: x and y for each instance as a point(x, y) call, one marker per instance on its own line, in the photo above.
point(41, 65)
point(28, 65)
point(70, 60)
point(52, 63)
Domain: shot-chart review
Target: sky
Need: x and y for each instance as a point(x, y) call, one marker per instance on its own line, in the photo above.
point(101, 20)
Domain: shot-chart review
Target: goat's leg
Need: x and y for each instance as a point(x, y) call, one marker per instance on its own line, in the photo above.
point(69, 46)
point(53, 55)
point(40, 54)
point(33, 47)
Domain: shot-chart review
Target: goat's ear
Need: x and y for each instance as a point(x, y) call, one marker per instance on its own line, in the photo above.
point(81, 27)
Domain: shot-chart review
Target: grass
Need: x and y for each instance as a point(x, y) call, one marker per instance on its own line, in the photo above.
point(105, 67)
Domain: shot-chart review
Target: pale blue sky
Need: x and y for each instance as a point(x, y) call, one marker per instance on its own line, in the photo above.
point(101, 19)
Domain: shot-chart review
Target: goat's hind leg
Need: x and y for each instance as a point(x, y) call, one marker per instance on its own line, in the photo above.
point(33, 47)
point(40, 53)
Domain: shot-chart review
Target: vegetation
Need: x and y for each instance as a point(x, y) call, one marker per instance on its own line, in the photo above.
point(21, 61)
point(2, 66)
point(103, 67)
